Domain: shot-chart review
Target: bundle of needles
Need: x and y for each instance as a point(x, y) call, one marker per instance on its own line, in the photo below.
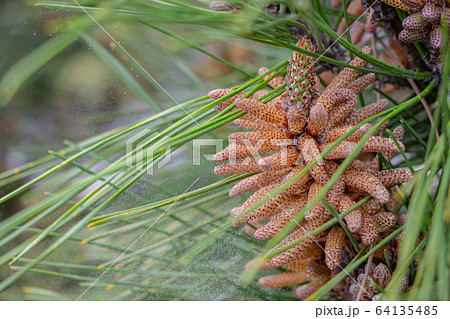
point(289, 133)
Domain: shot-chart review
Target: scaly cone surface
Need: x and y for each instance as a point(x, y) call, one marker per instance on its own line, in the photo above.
point(424, 23)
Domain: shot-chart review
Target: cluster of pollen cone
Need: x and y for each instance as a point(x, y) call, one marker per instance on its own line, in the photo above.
point(423, 25)
point(288, 133)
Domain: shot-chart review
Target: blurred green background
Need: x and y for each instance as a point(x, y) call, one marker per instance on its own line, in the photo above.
point(76, 95)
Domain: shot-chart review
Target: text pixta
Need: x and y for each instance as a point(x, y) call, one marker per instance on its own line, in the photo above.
point(337, 311)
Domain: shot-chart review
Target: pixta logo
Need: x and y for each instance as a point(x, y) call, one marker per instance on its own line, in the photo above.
point(144, 151)
point(140, 151)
